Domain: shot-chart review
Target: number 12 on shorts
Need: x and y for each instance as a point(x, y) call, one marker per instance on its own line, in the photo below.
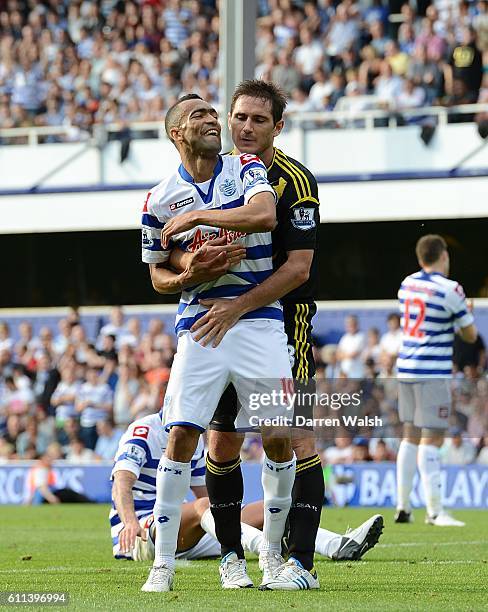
point(411, 327)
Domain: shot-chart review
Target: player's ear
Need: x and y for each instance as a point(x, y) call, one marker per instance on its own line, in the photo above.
point(229, 116)
point(278, 127)
point(175, 133)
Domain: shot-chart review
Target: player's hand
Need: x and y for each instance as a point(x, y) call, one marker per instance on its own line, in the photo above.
point(222, 315)
point(212, 260)
point(176, 225)
point(127, 537)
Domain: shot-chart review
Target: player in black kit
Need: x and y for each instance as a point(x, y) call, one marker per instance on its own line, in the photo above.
point(255, 119)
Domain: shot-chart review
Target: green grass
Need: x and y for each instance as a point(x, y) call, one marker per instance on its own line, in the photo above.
point(415, 567)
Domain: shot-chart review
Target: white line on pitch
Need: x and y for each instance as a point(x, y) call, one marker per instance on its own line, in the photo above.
point(408, 544)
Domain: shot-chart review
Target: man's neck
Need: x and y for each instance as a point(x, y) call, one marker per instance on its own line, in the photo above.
point(200, 168)
point(265, 156)
point(433, 269)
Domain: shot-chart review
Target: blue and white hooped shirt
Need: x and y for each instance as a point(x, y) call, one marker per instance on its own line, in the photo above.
point(430, 305)
point(140, 449)
point(236, 179)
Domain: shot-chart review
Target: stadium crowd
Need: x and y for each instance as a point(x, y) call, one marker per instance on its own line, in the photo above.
point(73, 396)
point(81, 63)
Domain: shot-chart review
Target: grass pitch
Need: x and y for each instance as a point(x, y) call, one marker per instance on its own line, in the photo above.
point(415, 567)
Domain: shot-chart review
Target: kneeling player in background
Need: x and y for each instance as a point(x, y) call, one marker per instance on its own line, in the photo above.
point(134, 495)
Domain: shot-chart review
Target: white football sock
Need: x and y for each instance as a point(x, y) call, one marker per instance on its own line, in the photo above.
point(277, 480)
point(251, 537)
point(207, 523)
point(172, 484)
point(327, 542)
point(406, 466)
point(429, 462)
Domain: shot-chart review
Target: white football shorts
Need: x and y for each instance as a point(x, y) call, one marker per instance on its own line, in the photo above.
point(253, 355)
point(425, 403)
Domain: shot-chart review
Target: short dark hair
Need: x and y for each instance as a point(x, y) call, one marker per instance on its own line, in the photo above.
point(173, 116)
point(429, 248)
point(256, 88)
point(393, 315)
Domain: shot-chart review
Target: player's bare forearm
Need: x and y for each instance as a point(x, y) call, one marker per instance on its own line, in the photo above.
point(165, 280)
point(179, 260)
point(122, 495)
point(259, 215)
point(223, 314)
point(292, 274)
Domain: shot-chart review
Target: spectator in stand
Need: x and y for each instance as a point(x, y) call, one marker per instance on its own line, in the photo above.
point(482, 458)
point(456, 449)
point(64, 397)
point(388, 86)
point(78, 453)
point(391, 341)
point(32, 438)
point(411, 96)
point(126, 391)
point(360, 450)
point(285, 74)
point(372, 349)
point(108, 440)
point(473, 355)
point(465, 64)
point(93, 404)
point(350, 348)
point(341, 451)
point(6, 342)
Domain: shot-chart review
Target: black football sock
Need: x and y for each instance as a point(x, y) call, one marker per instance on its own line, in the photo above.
point(225, 490)
point(306, 507)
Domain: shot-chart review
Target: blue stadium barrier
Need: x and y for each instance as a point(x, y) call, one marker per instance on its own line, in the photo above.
point(369, 484)
point(328, 323)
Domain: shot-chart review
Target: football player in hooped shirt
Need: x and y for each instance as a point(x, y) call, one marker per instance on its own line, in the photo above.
point(231, 197)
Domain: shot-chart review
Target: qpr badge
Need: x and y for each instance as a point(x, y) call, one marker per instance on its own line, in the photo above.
point(303, 218)
point(228, 187)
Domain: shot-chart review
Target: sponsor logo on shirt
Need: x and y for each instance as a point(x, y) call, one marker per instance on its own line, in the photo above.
point(141, 431)
point(303, 218)
point(181, 203)
point(201, 237)
point(247, 158)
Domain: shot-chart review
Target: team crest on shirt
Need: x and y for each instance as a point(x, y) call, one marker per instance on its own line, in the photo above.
point(147, 241)
point(303, 218)
point(228, 187)
point(443, 412)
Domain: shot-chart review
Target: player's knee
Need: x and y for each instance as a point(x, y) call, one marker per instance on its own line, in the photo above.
point(224, 446)
point(200, 505)
point(304, 447)
point(182, 442)
point(434, 437)
point(277, 448)
point(411, 433)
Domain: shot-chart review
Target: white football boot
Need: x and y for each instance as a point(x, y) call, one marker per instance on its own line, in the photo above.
point(269, 562)
point(356, 542)
point(292, 576)
point(233, 572)
point(160, 580)
point(443, 520)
